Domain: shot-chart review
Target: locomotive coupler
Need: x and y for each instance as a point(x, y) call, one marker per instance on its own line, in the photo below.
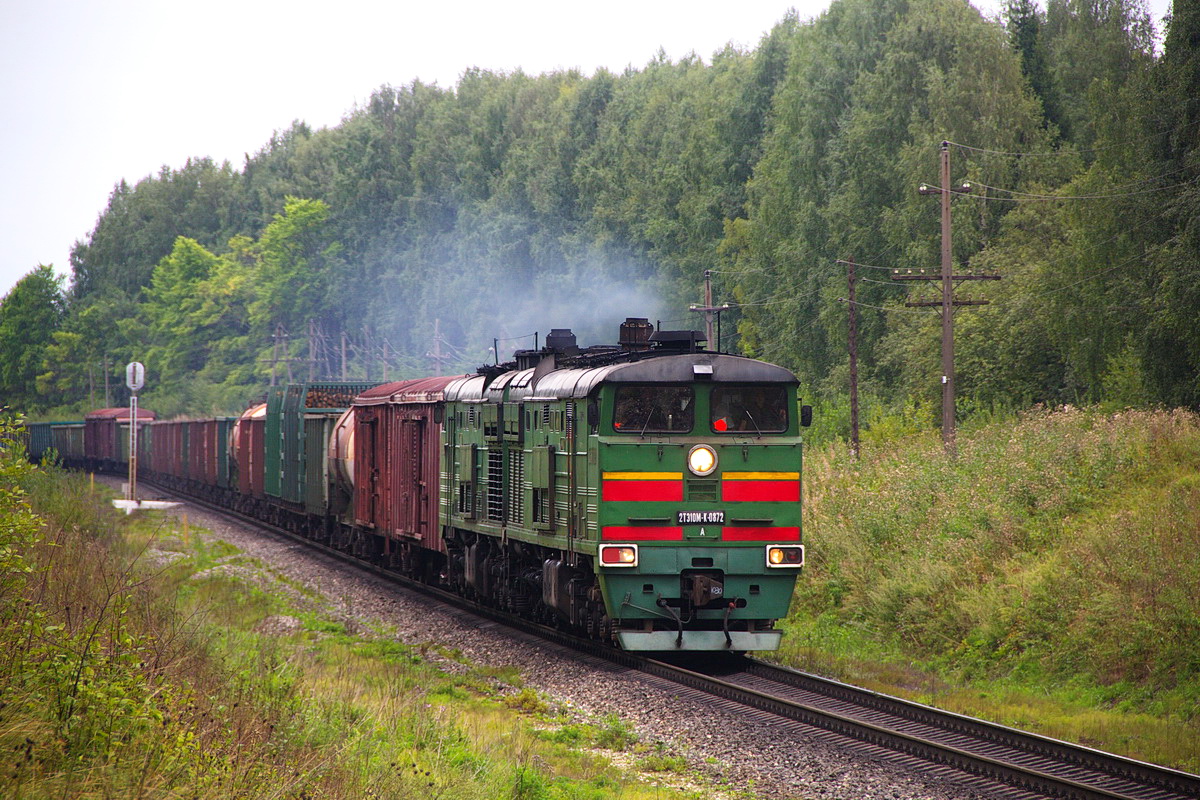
point(704, 589)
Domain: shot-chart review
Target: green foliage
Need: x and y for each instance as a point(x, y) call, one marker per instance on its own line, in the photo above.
point(583, 199)
point(84, 362)
point(29, 315)
point(141, 223)
point(615, 734)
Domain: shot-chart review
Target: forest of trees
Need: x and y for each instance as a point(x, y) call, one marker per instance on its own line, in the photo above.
point(514, 203)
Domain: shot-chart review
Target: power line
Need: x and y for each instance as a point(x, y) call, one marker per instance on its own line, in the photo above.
point(1031, 196)
point(884, 308)
point(778, 299)
point(515, 338)
point(868, 266)
point(1125, 263)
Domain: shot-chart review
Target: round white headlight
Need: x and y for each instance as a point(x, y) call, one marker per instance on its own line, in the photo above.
point(702, 460)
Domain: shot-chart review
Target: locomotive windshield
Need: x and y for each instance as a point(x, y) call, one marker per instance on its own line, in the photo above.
point(754, 409)
point(654, 409)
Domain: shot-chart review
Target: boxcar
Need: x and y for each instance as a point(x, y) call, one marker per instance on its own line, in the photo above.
point(41, 438)
point(106, 435)
point(67, 439)
point(397, 460)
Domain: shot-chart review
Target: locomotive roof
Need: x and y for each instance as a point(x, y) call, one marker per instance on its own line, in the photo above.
point(580, 382)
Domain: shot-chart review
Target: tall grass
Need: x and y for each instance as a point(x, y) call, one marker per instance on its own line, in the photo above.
point(1057, 550)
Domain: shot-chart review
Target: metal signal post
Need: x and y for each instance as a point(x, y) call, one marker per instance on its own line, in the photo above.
point(135, 379)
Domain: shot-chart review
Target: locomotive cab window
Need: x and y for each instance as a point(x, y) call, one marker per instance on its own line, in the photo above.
point(654, 409)
point(749, 409)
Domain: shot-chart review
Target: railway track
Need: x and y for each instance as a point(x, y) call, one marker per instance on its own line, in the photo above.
point(1026, 764)
point(993, 758)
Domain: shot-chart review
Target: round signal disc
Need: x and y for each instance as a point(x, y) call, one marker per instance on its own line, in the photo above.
point(702, 460)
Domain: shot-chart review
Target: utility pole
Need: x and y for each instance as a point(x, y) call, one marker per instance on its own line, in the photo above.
point(947, 303)
point(343, 355)
point(312, 361)
point(368, 350)
point(436, 356)
point(709, 310)
point(853, 304)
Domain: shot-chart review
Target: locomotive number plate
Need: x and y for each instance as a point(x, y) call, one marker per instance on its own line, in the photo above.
point(699, 517)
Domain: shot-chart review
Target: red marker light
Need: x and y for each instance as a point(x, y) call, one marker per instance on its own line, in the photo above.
point(720, 425)
point(618, 555)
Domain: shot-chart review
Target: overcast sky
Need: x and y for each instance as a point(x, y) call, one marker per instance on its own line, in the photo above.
point(95, 91)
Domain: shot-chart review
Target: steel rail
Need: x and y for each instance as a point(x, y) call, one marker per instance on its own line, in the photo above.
point(1143, 778)
point(1017, 759)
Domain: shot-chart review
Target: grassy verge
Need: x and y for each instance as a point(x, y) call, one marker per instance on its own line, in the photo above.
point(1046, 578)
point(140, 661)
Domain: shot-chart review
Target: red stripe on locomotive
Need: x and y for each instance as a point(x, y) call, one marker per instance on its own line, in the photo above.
point(642, 491)
point(761, 491)
point(781, 534)
point(630, 533)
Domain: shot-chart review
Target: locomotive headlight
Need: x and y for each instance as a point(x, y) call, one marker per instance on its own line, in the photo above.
point(618, 555)
point(702, 460)
point(785, 555)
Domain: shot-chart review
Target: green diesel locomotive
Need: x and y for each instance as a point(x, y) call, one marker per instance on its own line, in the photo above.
point(649, 493)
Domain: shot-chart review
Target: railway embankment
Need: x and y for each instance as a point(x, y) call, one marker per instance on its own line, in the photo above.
point(1045, 578)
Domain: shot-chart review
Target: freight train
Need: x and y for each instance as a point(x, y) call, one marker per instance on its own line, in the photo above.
point(646, 493)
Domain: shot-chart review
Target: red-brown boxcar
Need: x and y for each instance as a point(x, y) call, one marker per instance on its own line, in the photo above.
point(397, 459)
point(103, 430)
point(202, 451)
point(166, 449)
